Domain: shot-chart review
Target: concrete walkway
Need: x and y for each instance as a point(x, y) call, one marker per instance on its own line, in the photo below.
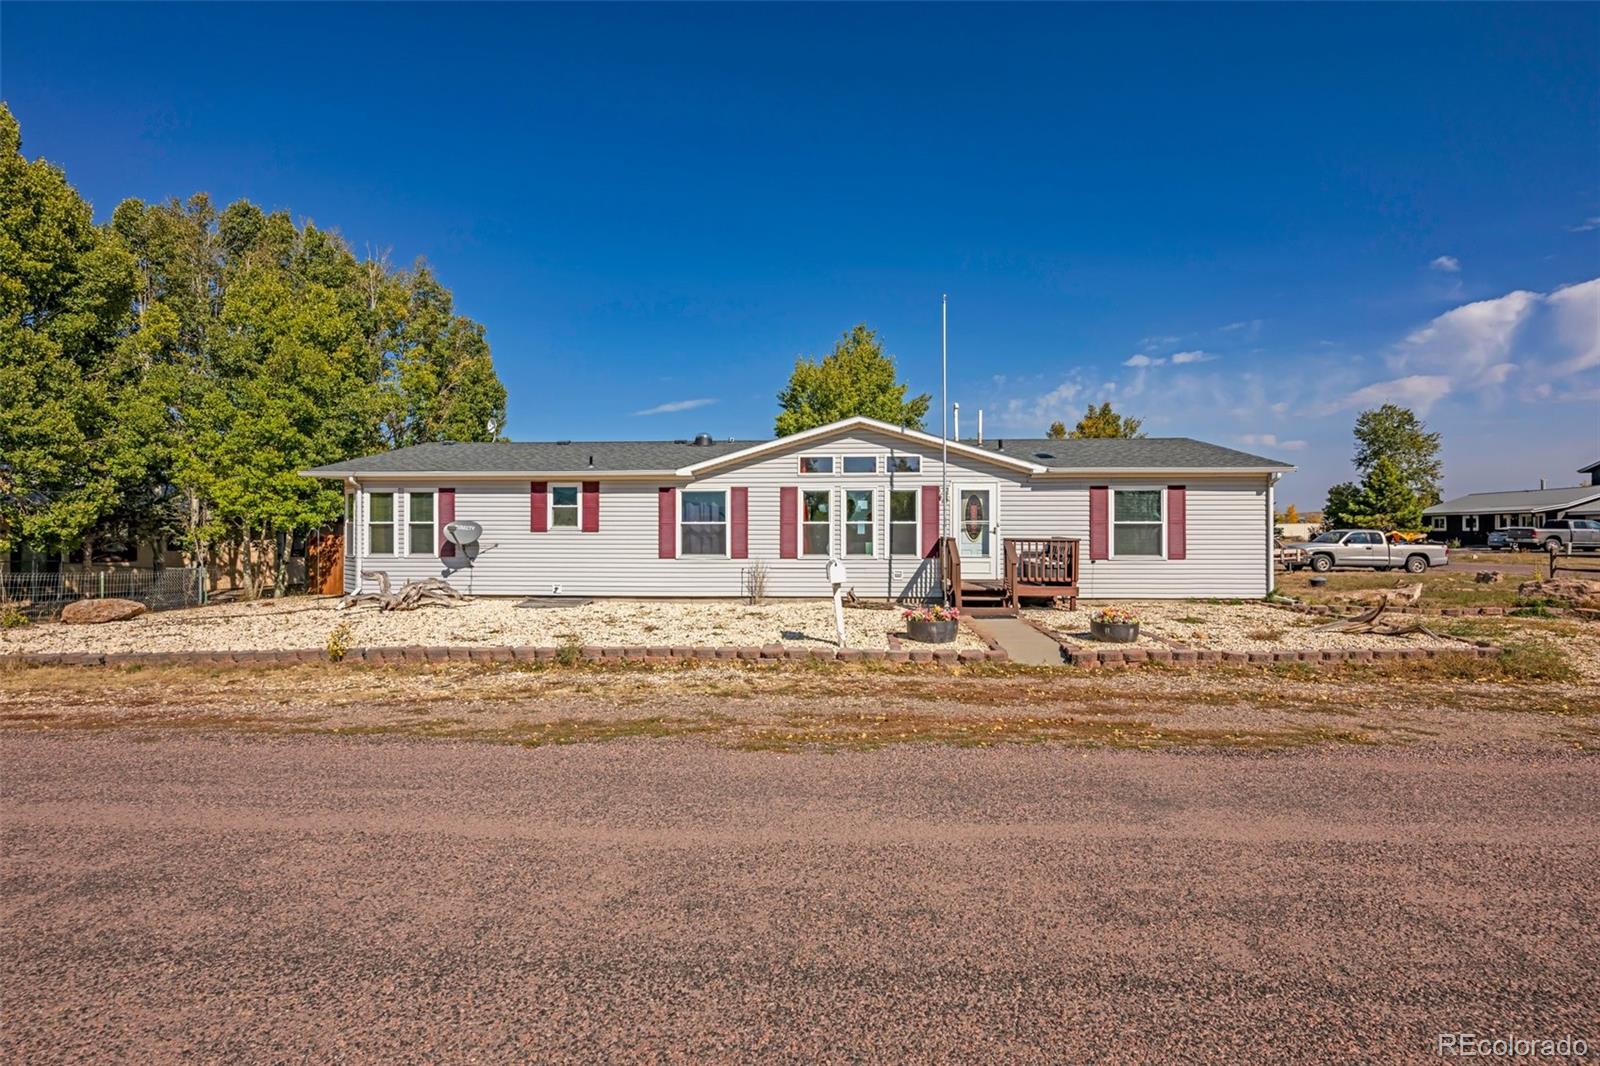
point(1021, 641)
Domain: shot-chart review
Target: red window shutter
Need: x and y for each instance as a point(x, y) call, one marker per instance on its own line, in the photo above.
point(667, 523)
point(788, 522)
point(930, 520)
point(447, 514)
point(1177, 522)
point(591, 506)
point(539, 506)
point(739, 522)
point(1099, 522)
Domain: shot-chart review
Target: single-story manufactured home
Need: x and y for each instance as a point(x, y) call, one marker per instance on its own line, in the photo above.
point(1470, 519)
point(1147, 518)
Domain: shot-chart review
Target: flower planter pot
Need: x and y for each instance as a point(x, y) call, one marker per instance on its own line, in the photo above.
point(931, 632)
point(1113, 633)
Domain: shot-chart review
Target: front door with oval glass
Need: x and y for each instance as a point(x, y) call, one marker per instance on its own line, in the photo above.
point(976, 530)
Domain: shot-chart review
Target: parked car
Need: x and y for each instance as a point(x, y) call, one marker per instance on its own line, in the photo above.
point(1558, 534)
point(1513, 538)
point(1370, 549)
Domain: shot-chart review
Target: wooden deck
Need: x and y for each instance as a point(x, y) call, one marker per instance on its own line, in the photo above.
point(1033, 568)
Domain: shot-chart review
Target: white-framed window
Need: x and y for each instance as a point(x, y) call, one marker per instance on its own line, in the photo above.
point(564, 506)
point(860, 464)
point(350, 525)
point(1437, 523)
point(816, 522)
point(860, 522)
point(1525, 519)
point(1137, 528)
point(1501, 521)
point(420, 536)
point(703, 522)
point(1469, 523)
point(816, 464)
point(905, 464)
point(905, 526)
point(380, 523)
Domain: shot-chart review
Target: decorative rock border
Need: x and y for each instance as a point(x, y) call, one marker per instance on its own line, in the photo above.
point(1446, 612)
point(1094, 658)
point(415, 654)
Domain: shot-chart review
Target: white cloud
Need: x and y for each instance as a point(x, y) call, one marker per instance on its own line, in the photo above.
point(1142, 360)
point(1587, 224)
point(1270, 440)
point(1421, 391)
point(674, 407)
point(1192, 357)
point(1471, 345)
point(1032, 415)
point(1449, 264)
point(1576, 312)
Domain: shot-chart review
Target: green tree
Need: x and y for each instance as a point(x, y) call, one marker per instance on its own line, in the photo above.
point(65, 294)
point(1385, 500)
point(855, 379)
point(1058, 431)
point(1103, 422)
point(1342, 506)
point(1396, 433)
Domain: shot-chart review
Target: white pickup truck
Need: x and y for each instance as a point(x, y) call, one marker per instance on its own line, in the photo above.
point(1371, 549)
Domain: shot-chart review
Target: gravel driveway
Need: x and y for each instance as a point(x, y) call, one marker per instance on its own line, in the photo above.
point(309, 899)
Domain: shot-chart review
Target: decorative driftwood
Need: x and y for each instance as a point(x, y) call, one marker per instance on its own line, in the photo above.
point(429, 592)
point(1369, 622)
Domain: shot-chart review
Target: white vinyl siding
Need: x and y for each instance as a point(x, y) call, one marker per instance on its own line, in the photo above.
point(1227, 541)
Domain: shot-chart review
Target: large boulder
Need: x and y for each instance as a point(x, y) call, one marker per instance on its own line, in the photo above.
point(93, 612)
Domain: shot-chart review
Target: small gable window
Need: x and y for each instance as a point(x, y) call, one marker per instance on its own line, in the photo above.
point(816, 464)
point(906, 464)
point(860, 464)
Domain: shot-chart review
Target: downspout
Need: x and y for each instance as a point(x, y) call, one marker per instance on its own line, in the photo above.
point(1272, 572)
point(355, 520)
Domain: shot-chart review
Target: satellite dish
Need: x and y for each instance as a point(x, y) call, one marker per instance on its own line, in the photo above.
point(462, 533)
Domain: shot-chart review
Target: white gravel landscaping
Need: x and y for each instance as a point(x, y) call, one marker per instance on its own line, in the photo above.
point(302, 622)
point(1222, 627)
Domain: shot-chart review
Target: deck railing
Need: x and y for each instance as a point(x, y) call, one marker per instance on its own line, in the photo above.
point(1035, 567)
point(1041, 567)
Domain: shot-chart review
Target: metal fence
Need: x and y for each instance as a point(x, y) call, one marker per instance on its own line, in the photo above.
point(42, 593)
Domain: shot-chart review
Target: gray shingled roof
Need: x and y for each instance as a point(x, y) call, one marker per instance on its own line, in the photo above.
point(604, 456)
point(1145, 453)
point(630, 456)
point(1519, 500)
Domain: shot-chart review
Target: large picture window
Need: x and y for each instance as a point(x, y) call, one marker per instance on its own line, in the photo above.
point(904, 538)
point(380, 523)
point(816, 523)
point(704, 524)
point(859, 522)
point(563, 507)
point(419, 524)
point(1136, 522)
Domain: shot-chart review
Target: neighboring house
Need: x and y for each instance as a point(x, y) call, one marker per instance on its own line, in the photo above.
point(1471, 518)
point(1310, 525)
point(1166, 517)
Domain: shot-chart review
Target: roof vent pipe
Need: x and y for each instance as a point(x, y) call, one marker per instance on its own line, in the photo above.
point(591, 462)
point(1541, 484)
point(980, 426)
point(957, 419)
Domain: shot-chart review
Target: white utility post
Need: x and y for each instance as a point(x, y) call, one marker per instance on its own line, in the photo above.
point(837, 578)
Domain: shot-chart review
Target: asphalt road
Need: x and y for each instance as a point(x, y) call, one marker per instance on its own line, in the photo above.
point(327, 900)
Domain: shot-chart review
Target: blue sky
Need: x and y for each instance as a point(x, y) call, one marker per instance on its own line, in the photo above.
point(1240, 223)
